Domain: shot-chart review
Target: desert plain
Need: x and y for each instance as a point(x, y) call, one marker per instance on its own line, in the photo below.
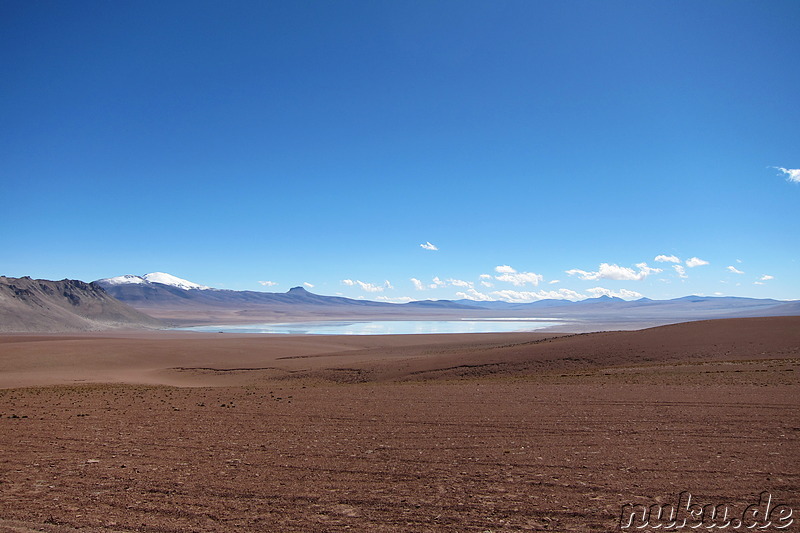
point(173, 431)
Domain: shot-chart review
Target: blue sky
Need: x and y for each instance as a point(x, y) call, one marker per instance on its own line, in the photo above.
point(233, 143)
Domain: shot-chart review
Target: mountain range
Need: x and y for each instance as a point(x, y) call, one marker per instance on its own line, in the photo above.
point(158, 300)
point(180, 301)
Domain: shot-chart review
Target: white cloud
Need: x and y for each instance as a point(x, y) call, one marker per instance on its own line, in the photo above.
point(309, 285)
point(622, 293)
point(667, 259)
point(553, 282)
point(792, 174)
point(487, 284)
point(515, 297)
point(615, 272)
point(735, 270)
point(268, 283)
point(567, 294)
point(437, 283)
point(472, 294)
point(486, 276)
point(758, 283)
point(583, 274)
point(534, 296)
point(369, 287)
point(695, 262)
point(766, 277)
point(646, 270)
point(397, 300)
point(510, 275)
point(681, 271)
point(521, 278)
point(428, 246)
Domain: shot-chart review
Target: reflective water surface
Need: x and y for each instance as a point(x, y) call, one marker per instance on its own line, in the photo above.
point(382, 327)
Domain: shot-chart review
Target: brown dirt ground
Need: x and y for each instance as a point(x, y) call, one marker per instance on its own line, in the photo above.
point(512, 432)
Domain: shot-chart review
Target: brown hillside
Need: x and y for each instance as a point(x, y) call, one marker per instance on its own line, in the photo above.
point(36, 305)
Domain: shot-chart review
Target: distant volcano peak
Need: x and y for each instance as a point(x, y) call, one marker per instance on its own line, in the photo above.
point(298, 290)
point(154, 277)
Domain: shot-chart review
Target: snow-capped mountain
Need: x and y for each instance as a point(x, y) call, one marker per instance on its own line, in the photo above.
point(123, 280)
point(168, 279)
point(154, 277)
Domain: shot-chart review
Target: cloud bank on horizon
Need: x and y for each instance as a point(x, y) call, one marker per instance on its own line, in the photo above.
point(516, 281)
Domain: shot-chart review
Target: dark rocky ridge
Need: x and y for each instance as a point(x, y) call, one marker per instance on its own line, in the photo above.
point(37, 305)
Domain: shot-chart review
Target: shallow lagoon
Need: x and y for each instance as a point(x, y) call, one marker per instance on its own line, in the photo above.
point(382, 327)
